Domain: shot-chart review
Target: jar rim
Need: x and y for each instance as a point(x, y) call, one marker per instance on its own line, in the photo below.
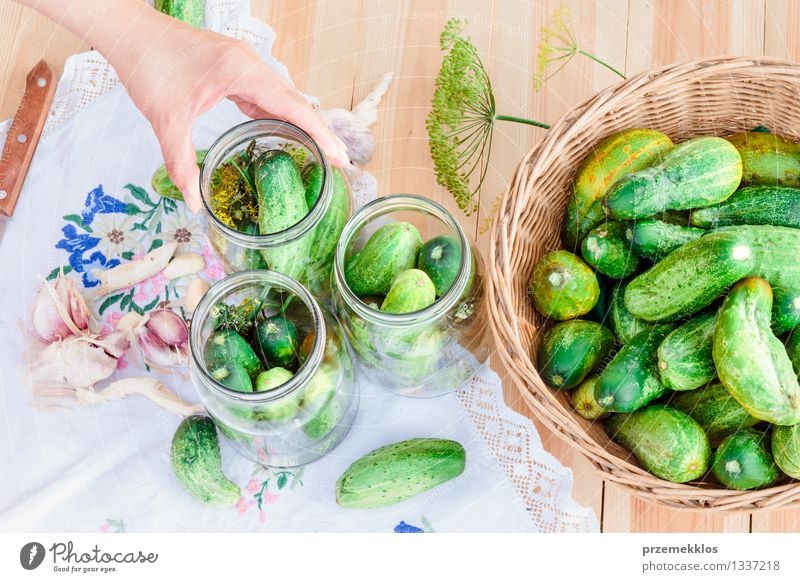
point(223, 147)
point(399, 203)
point(236, 282)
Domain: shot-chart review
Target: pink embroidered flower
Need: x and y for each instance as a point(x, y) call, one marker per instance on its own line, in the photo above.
point(262, 517)
point(140, 295)
point(268, 497)
point(253, 486)
point(213, 268)
point(243, 505)
point(157, 283)
point(104, 528)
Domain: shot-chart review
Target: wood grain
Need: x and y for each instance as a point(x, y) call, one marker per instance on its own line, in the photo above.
point(337, 49)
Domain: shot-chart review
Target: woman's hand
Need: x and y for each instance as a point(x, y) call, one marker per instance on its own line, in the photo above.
point(174, 72)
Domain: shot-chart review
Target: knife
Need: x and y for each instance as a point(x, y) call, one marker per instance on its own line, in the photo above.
point(23, 135)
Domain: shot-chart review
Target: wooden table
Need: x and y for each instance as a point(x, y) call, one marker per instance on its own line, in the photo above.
point(336, 49)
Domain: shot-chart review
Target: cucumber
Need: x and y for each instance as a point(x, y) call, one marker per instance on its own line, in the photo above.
point(768, 158)
point(232, 375)
point(225, 345)
point(624, 325)
point(684, 357)
point(321, 401)
point(743, 462)
point(716, 410)
point(275, 341)
point(610, 159)
point(571, 350)
point(773, 205)
point(793, 350)
point(390, 250)
point(197, 463)
point(600, 311)
point(189, 11)
point(751, 362)
point(281, 205)
point(393, 473)
point(654, 239)
point(630, 380)
point(327, 232)
point(785, 309)
point(312, 178)
point(562, 286)
point(604, 248)
point(412, 291)
point(584, 403)
point(697, 273)
point(440, 258)
point(668, 443)
point(282, 410)
point(163, 185)
point(786, 449)
point(699, 172)
point(252, 259)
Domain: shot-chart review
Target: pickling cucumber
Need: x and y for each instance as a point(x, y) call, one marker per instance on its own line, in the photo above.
point(163, 184)
point(743, 462)
point(231, 375)
point(768, 158)
point(327, 232)
point(785, 309)
point(275, 341)
point(774, 205)
point(631, 380)
point(715, 409)
point(668, 443)
point(622, 322)
point(786, 449)
point(751, 362)
point(653, 239)
point(189, 11)
point(699, 172)
point(390, 250)
point(684, 357)
point(571, 350)
point(793, 350)
point(562, 286)
point(225, 345)
point(412, 291)
point(604, 248)
point(610, 159)
point(281, 410)
point(584, 403)
point(440, 258)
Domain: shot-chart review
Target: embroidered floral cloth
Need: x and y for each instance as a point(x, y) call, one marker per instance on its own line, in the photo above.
point(86, 205)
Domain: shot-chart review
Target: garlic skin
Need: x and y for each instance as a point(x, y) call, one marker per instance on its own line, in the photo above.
point(59, 311)
point(163, 339)
point(77, 362)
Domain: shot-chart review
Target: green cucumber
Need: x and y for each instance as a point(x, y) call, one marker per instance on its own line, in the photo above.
point(390, 250)
point(197, 463)
point(412, 291)
point(393, 473)
point(275, 341)
point(571, 350)
point(693, 276)
point(716, 410)
point(600, 311)
point(768, 158)
point(604, 248)
point(622, 322)
point(743, 462)
point(751, 362)
point(773, 205)
point(231, 375)
point(225, 345)
point(699, 172)
point(668, 443)
point(312, 178)
point(189, 11)
point(654, 239)
point(785, 309)
point(163, 184)
point(609, 160)
point(786, 449)
point(321, 401)
point(584, 403)
point(327, 232)
point(630, 380)
point(284, 409)
point(440, 258)
point(281, 205)
point(684, 357)
point(562, 286)
point(793, 350)
point(252, 259)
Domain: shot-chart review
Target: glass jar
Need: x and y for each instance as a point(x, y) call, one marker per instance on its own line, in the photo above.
point(424, 353)
point(299, 420)
point(304, 251)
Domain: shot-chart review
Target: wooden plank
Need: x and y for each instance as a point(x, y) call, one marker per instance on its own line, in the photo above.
point(779, 520)
point(781, 36)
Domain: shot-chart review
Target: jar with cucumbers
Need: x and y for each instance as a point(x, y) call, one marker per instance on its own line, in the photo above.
point(273, 201)
point(407, 286)
point(271, 366)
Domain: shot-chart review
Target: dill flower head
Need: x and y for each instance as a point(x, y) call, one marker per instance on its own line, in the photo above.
point(556, 46)
point(232, 200)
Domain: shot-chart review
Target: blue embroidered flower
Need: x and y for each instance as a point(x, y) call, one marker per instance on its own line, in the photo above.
point(98, 202)
point(96, 261)
point(404, 527)
point(76, 244)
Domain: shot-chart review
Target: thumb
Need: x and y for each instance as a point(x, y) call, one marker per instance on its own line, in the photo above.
point(180, 160)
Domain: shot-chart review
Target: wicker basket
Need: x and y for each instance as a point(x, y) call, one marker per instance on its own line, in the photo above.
point(710, 97)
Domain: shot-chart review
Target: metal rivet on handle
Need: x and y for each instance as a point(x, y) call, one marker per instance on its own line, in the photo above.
point(41, 81)
point(3, 194)
point(22, 138)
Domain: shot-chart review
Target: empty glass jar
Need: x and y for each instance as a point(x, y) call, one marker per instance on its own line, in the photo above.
point(271, 414)
point(233, 196)
point(427, 352)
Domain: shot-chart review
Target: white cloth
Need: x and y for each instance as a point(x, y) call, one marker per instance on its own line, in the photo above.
point(107, 467)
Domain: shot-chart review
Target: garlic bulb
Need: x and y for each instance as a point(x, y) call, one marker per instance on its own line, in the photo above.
point(163, 339)
point(59, 310)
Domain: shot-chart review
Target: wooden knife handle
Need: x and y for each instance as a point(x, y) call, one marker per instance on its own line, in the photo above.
point(24, 134)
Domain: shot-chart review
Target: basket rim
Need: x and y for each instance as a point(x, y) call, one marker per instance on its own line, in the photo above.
point(540, 399)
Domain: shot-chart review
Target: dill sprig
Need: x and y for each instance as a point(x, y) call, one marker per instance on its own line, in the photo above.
point(238, 318)
point(233, 195)
point(558, 46)
point(461, 122)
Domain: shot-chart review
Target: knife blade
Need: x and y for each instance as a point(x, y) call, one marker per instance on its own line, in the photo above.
point(23, 136)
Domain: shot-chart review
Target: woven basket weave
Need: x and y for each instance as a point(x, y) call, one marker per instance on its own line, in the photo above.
point(709, 97)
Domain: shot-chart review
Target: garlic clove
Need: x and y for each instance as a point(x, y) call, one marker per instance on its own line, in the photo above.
point(194, 293)
point(129, 321)
point(183, 265)
point(133, 272)
point(163, 339)
point(59, 310)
